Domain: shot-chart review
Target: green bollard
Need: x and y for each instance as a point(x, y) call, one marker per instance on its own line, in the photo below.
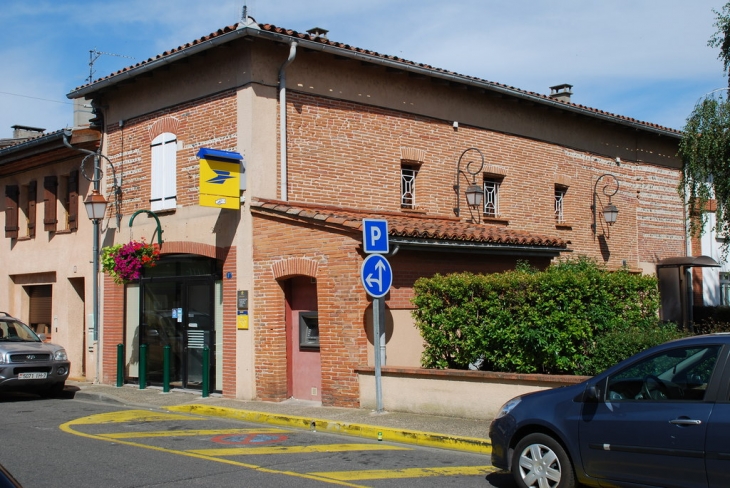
point(166, 369)
point(206, 372)
point(143, 366)
point(120, 365)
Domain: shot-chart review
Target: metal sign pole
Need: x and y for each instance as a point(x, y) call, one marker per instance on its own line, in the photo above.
point(378, 305)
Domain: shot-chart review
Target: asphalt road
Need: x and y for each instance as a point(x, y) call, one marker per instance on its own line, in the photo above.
point(70, 442)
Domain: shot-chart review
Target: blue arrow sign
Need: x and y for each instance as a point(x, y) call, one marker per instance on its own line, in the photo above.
point(376, 275)
point(375, 236)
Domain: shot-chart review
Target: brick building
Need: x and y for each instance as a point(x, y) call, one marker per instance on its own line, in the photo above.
point(331, 134)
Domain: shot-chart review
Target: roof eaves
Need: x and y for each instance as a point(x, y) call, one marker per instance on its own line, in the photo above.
point(31, 143)
point(278, 34)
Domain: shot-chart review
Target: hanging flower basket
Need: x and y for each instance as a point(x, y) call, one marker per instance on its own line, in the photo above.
point(124, 262)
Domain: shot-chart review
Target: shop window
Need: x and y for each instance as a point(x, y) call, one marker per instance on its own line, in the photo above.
point(408, 174)
point(491, 196)
point(164, 172)
point(12, 201)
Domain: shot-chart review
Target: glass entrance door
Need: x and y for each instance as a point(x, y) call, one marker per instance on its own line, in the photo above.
point(180, 314)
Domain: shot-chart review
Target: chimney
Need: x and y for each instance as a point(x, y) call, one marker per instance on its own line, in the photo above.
point(561, 93)
point(318, 32)
point(25, 132)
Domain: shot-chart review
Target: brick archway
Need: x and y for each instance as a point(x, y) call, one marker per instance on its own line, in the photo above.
point(165, 124)
point(286, 268)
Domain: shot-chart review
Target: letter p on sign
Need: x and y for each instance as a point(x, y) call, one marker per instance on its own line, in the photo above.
point(375, 236)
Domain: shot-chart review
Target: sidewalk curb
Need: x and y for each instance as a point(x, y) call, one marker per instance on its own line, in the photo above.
point(427, 439)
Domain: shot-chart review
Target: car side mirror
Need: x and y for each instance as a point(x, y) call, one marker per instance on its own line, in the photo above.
point(591, 394)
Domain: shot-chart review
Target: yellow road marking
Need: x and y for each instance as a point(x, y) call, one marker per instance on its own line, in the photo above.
point(188, 433)
point(132, 416)
point(238, 451)
point(382, 474)
point(108, 418)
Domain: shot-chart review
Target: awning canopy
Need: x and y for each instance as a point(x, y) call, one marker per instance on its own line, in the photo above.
point(688, 262)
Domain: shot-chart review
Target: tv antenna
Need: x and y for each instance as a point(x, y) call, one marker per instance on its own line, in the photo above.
point(94, 55)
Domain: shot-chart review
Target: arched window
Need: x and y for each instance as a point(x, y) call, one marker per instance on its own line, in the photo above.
point(164, 172)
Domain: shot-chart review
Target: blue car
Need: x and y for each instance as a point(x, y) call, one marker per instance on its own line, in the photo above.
point(658, 419)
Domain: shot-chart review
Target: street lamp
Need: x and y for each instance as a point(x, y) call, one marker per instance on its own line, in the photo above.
point(610, 211)
point(95, 205)
point(474, 193)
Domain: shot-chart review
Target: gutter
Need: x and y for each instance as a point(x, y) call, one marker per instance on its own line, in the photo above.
point(282, 120)
point(477, 247)
point(251, 29)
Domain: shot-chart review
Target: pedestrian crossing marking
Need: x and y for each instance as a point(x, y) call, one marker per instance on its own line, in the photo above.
point(382, 474)
point(248, 451)
point(188, 433)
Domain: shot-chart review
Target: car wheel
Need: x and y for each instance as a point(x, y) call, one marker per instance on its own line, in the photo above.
point(540, 461)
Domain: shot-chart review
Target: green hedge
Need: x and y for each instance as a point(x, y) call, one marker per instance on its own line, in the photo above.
point(572, 318)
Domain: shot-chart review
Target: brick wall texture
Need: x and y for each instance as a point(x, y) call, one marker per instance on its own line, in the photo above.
point(342, 153)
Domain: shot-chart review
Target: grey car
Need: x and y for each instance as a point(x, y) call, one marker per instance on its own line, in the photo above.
point(28, 363)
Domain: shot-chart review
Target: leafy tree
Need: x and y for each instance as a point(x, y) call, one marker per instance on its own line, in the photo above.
point(721, 37)
point(705, 146)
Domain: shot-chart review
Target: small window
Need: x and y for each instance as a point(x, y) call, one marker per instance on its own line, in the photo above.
point(408, 174)
point(725, 289)
point(559, 199)
point(28, 194)
point(491, 197)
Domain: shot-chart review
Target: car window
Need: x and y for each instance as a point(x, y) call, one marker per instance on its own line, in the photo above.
point(679, 374)
point(14, 331)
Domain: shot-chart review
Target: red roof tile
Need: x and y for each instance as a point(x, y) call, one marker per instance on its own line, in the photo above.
point(322, 40)
point(403, 225)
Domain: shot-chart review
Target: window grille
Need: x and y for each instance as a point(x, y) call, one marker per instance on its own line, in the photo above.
point(725, 289)
point(559, 197)
point(408, 186)
point(491, 198)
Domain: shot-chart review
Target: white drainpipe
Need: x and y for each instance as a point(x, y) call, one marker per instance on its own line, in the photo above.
point(282, 118)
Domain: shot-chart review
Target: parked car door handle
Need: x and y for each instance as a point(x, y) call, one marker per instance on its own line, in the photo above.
point(685, 422)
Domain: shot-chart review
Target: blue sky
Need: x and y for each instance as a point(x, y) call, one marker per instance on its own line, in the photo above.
point(646, 59)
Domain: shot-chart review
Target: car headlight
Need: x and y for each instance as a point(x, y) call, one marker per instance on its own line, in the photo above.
point(60, 355)
point(508, 407)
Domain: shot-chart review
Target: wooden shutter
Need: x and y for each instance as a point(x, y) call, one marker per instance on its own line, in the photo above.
point(11, 211)
point(50, 185)
point(73, 200)
point(32, 198)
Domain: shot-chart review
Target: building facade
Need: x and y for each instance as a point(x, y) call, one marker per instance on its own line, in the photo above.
point(330, 135)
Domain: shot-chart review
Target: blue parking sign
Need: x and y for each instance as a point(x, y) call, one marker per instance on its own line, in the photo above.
point(375, 236)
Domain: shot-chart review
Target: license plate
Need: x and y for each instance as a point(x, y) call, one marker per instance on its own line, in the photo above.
point(32, 376)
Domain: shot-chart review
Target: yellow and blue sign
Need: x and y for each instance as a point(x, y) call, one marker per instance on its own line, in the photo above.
point(220, 178)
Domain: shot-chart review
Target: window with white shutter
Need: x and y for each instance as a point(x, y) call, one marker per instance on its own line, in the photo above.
point(164, 172)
